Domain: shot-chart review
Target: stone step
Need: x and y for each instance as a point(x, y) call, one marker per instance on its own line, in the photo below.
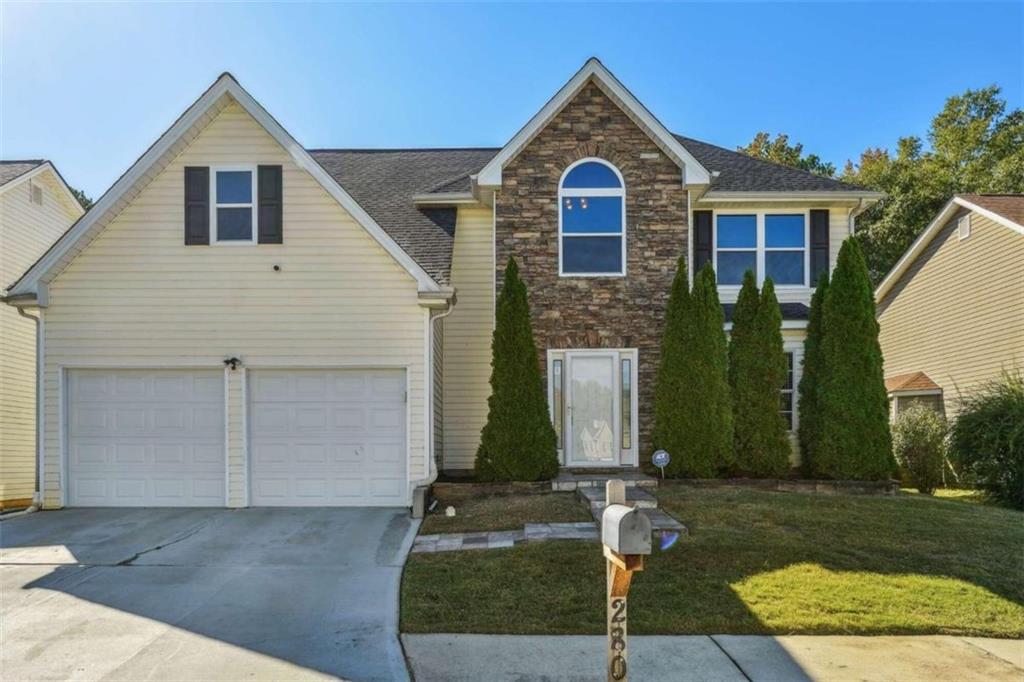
point(568, 481)
point(635, 497)
point(659, 518)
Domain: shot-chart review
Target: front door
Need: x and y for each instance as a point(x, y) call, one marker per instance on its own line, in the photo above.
point(592, 409)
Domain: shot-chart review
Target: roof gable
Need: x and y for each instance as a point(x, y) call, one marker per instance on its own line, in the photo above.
point(971, 202)
point(13, 173)
point(693, 173)
point(181, 132)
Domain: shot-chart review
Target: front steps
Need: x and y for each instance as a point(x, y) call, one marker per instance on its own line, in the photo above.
point(640, 488)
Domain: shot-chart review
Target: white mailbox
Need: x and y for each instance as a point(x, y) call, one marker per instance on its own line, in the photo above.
point(625, 530)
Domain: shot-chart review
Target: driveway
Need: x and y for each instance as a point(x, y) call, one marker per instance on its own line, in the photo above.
point(203, 593)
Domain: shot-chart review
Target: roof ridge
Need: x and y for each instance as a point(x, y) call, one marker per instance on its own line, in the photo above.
point(35, 161)
point(403, 149)
point(990, 194)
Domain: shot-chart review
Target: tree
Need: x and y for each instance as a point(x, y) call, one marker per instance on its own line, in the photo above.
point(81, 197)
point(975, 146)
point(808, 401)
point(780, 151)
point(518, 442)
point(757, 372)
point(670, 411)
point(853, 417)
point(694, 412)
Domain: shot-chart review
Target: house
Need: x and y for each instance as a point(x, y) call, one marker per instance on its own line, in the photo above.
point(242, 321)
point(951, 311)
point(36, 207)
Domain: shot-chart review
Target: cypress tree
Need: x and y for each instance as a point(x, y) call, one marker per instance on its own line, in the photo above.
point(757, 371)
point(669, 431)
point(853, 421)
point(808, 403)
point(518, 442)
point(703, 415)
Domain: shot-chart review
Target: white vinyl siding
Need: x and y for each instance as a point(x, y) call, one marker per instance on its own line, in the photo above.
point(467, 338)
point(27, 230)
point(137, 296)
point(957, 313)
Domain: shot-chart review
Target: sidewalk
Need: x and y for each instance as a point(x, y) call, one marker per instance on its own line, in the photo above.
point(719, 658)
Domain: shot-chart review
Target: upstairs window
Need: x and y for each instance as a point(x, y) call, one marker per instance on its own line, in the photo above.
point(592, 220)
point(768, 244)
point(232, 214)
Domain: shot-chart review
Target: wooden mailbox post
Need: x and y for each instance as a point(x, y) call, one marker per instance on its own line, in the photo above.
point(626, 538)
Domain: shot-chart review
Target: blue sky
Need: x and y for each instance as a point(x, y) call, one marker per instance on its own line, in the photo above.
point(91, 85)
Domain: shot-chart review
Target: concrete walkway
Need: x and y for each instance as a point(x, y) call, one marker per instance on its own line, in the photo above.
point(721, 658)
point(203, 594)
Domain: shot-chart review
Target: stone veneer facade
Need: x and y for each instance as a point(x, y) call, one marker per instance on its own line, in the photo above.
point(596, 312)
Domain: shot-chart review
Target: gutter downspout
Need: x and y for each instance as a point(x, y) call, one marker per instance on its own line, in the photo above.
point(37, 496)
point(854, 212)
point(432, 472)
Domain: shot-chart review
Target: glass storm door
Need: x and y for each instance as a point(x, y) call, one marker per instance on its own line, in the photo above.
point(592, 409)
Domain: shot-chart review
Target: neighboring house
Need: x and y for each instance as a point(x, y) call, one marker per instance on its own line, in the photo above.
point(951, 311)
point(36, 207)
point(241, 321)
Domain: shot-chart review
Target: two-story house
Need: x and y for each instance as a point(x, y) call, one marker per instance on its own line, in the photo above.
point(36, 207)
point(242, 321)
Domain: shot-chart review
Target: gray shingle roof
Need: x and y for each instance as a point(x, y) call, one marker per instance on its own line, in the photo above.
point(741, 173)
point(384, 181)
point(9, 170)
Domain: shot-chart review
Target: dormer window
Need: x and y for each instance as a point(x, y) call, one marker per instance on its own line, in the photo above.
point(592, 220)
point(232, 214)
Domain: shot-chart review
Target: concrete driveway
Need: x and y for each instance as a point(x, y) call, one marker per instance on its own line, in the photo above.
point(203, 594)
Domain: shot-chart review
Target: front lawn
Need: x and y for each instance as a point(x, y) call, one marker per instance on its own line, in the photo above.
point(503, 512)
point(755, 563)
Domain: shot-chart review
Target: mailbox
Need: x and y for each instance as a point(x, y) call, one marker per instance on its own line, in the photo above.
point(625, 530)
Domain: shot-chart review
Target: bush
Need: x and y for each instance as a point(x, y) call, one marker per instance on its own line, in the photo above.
point(854, 441)
point(919, 443)
point(807, 406)
point(988, 439)
point(518, 442)
point(757, 372)
point(693, 411)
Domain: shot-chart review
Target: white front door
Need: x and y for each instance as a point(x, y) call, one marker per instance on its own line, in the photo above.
point(328, 437)
point(592, 409)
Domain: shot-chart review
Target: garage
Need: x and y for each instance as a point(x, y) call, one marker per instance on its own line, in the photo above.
point(145, 438)
point(327, 437)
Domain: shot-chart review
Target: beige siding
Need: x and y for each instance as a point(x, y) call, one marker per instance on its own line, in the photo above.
point(839, 229)
point(26, 231)
point(467, 342)
point(957, 314)
point(137, 296)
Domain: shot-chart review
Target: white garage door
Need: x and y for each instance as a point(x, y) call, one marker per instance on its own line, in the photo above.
point(145, 438)
point(327, 437)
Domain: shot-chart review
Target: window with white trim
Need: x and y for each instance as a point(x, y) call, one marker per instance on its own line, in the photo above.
point(769, 244)
point(233, 214)
point(786, 395)
point(592, 220)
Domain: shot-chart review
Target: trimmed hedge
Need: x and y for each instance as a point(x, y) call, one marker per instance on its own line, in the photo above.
point(693, 410)
point(855, 442)
point(757, 372)
point(518, 442)
point(919, 443)
point(808, 404)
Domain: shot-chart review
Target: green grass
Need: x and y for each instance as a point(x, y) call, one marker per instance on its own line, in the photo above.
point(755, 563)
point(504, 512)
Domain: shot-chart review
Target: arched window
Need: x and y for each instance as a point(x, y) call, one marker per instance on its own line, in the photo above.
point(591, 220)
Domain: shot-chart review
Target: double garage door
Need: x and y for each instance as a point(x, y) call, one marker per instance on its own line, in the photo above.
point(157, 438)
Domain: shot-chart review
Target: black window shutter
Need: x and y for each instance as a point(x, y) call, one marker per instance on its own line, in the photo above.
point(819, 243)
point(270, 205)
point(197, 205)
point(702, 239)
